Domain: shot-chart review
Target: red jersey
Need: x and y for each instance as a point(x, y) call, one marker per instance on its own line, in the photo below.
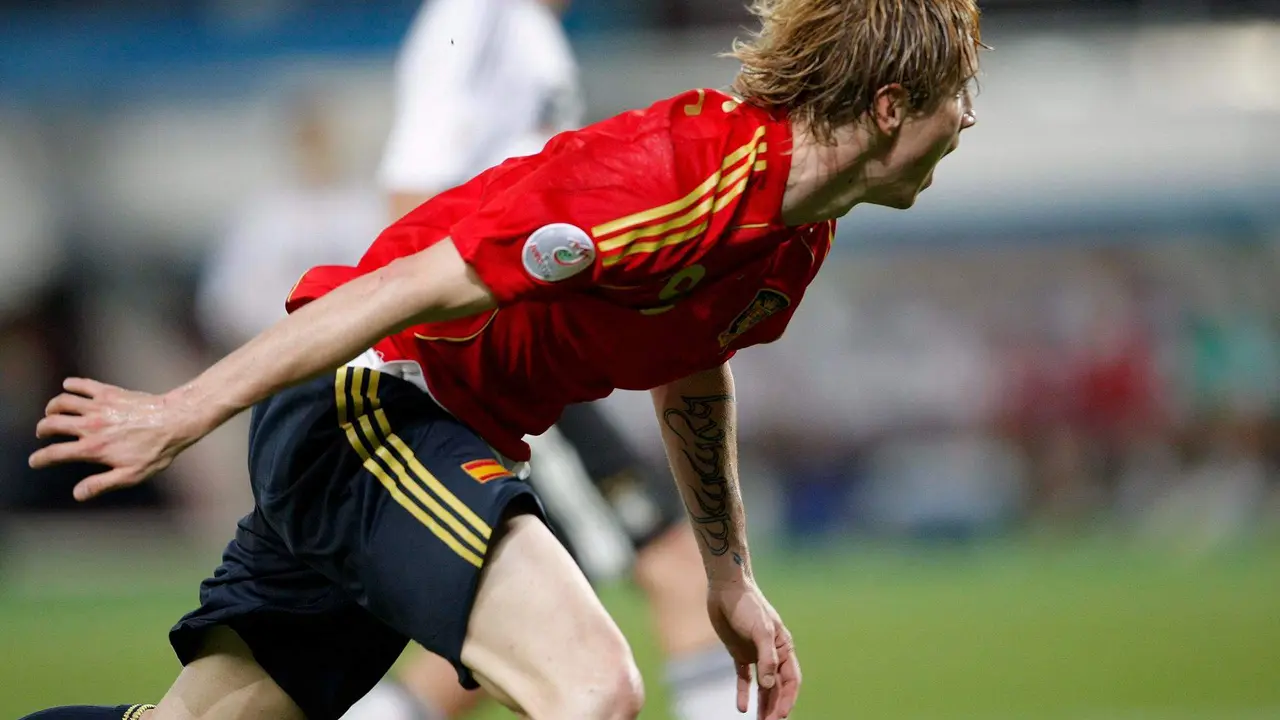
point(628, 254)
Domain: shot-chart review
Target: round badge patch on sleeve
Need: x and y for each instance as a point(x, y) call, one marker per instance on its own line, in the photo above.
point(557, 252)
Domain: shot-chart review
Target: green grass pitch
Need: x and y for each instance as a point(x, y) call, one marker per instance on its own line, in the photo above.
point(1065, 630)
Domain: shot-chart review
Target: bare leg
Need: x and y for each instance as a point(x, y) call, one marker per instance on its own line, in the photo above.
point(668, 570)
point(225, 683)
point(435, 683)
point(540, 641)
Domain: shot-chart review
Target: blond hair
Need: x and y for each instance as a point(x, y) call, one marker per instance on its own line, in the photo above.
point(824, 60)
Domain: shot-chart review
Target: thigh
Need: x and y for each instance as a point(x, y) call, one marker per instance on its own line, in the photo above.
point(223, 681)
point(539, 638)
point(421, 512)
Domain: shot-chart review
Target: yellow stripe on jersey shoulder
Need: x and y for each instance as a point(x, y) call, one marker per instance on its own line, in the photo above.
point(645, 217)
point(728, 186)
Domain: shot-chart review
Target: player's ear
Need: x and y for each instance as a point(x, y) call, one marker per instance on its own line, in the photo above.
point(889, 108)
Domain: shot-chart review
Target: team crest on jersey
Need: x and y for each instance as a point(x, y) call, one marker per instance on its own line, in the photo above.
point(557, 252)
point(483, 471)
point(766, 303)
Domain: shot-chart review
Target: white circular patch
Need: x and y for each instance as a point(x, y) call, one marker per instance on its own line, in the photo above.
point(557, 252)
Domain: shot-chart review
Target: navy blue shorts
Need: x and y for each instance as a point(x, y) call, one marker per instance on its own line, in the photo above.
point(374, 512)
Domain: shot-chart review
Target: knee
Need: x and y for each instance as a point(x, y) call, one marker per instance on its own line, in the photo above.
point(616, 694)
point(627, 699)
point(613, 691)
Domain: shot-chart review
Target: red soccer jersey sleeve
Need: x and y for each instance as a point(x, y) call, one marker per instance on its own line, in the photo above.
point(624, 201)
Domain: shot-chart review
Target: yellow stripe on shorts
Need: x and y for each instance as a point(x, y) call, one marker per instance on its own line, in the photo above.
point(430, 513)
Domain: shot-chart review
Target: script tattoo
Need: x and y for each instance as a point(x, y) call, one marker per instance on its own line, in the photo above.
point(704, 449)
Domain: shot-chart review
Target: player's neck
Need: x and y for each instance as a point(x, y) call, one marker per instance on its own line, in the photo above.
point(827, 179)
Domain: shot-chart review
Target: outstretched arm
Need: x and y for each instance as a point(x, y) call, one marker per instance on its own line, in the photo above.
point(137, 434)
point(698, 421)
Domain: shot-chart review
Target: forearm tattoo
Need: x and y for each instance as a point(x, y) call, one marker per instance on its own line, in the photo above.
point(703, 438)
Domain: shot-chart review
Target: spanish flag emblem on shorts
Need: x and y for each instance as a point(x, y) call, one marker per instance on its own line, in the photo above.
point(485, 470)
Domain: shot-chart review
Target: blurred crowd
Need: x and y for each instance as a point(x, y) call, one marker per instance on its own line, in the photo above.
point(941, 389)
point(935, 391)
point(952, 392)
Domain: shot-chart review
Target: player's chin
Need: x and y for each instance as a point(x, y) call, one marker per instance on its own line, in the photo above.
point(902, 195)
point(904, 201)
point(909, 198)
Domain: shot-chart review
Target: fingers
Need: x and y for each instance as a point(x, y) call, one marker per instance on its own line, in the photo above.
point(96, 485)
point(79, 413)
point(58, 453)
point(764, 704)
point(766, 672)
point(787, 690)
point(766, 656)
point(744, 687)
point(60, 425)
point(68, 415)
point(84, 386)
point(770, 703)
point(788, 661)
point(68, 404)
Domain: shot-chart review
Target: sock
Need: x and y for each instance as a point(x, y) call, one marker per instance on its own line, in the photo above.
point(704, 686)
point(389, 700)
point(91, 712)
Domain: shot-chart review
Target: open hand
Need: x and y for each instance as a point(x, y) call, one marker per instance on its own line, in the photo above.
point(134, 434)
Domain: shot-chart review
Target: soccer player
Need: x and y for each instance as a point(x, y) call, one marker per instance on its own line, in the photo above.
point(479, 81)
point(642, 251)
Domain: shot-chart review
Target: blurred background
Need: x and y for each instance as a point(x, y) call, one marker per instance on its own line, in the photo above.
point(1017, 456)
